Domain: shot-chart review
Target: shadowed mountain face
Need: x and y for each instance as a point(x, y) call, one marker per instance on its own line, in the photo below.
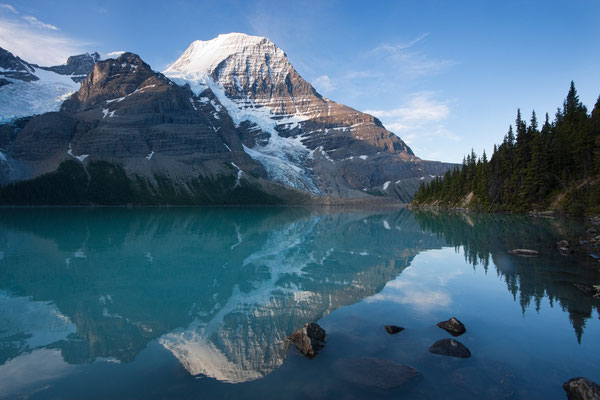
point(220, 289)
point(486, 240)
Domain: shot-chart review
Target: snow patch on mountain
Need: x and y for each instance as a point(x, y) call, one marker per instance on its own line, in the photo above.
point(282, 157)
point(19, 99)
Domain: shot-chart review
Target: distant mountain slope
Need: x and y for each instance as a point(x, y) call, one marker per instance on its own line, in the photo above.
point(28, 89)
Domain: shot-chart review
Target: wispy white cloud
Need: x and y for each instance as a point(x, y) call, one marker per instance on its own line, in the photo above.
point(324, 84)
point(419, 121)
point(37, 23)
point(420, 108)
point(34, 40)
point(8, 7)
point(407, 60)
point(114, 54)
point(398, 47)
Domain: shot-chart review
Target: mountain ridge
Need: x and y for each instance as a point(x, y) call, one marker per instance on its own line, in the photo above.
point(269, 133)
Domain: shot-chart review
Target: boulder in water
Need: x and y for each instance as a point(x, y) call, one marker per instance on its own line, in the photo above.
point(450, 347)
point(453, 326)
point(581, 389)
point(393, 329)
point(309, 339)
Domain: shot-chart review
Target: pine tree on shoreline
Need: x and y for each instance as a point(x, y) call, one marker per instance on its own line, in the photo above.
point(555, 167)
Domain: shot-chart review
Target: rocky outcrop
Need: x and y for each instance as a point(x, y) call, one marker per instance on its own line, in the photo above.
point(450, 347)
point(77, 67)
point(375, 372)
point(309, 339)
point(453, 326)
point(393, 329)
point(13, 67)
point(581, 389)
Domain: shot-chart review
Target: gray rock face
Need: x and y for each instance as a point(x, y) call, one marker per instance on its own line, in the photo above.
point(581, 389)
point(15, 68)
point(309, 339)
point(375, 372)
point(453, 326)
point(450, 347)
point(78, 67)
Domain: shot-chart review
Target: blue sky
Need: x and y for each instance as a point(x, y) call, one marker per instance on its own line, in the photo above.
point(445, 76)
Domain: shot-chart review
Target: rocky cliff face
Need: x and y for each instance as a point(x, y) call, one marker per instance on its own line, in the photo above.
point(77, 67)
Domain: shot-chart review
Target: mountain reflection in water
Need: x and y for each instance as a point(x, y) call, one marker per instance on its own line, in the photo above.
point(221, 288)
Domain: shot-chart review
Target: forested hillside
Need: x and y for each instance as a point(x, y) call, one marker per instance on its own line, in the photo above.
point(552, 167)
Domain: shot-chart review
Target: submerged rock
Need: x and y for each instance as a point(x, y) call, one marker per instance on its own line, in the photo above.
point(563, 247)
point(450, 347)
point(524, 252)
point(581, 389)
point(309, 339)
point(453, 326)
point(375, 372)
point(393, 329)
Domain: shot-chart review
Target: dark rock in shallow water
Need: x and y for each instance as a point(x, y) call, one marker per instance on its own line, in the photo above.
point(563, 247)
point(450, 347)
point(524, 252)
point(393, 329)
point(309, 339)
point(581, 389)
point(375, 372)
point(453, 327)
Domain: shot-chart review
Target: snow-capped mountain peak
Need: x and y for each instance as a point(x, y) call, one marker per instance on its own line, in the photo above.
point(287, 126)
point(203, 57)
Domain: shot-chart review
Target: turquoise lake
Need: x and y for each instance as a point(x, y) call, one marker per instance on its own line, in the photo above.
point(196, 303)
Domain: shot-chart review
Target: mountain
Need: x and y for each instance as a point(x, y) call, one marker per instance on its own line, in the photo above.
point(130, 135)
point(230, 121)
point(302, 138)
point(28, 89)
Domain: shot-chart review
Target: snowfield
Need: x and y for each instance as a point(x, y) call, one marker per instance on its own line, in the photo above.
point(19, 99)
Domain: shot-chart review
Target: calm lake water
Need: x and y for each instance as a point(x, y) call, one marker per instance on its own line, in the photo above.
point(196, 303)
